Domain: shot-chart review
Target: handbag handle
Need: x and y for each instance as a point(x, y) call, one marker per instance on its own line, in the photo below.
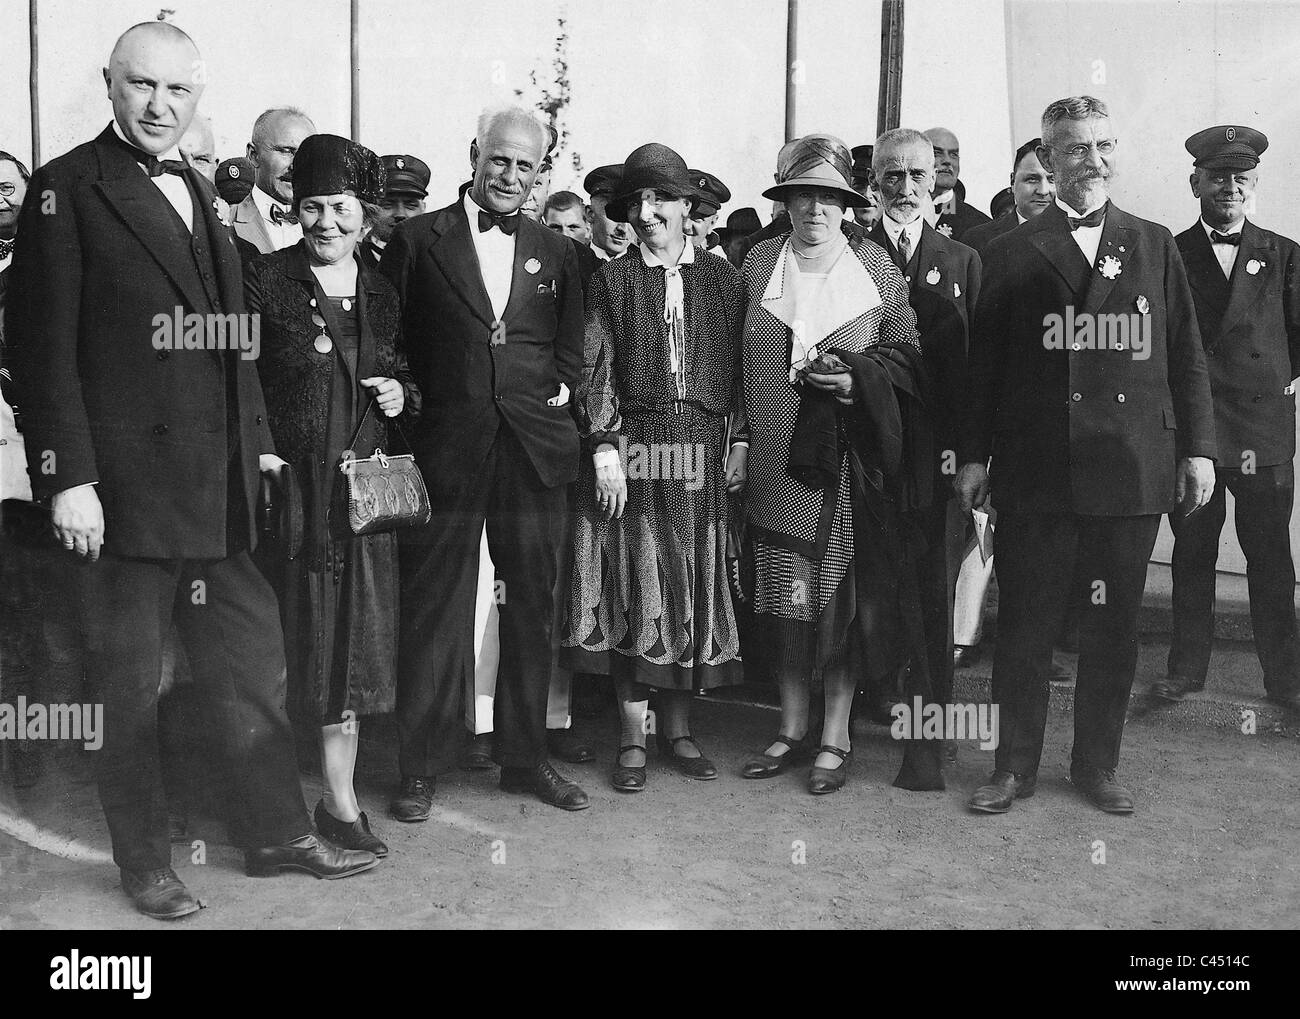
point(352, 445)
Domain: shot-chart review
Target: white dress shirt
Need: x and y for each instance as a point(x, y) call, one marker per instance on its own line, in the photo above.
point(1225, 253)
point(4, 260)
point(496, 258)
point(894, 229)
point(282, 234)
point(174, 188)
point(1087, 237)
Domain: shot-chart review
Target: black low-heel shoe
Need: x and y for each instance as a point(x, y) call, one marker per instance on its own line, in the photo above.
point(766, 766)
point(624, 778)
point(692, 767)
point(354, 835)
point(830, 780)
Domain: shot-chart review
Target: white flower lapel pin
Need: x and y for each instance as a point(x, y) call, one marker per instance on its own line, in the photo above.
point(945, 229)
point(222, 210)
point(1254, 265)
point(1110, 267)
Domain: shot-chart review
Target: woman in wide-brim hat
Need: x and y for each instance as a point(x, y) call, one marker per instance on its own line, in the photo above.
point(813, 290)
point(649, 602)
point(329, 338)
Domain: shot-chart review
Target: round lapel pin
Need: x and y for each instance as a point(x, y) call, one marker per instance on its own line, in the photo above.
point(532, 267)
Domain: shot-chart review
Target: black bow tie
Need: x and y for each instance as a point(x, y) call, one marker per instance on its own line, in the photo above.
point(1093, 218)
point(279, 216)
point(1231, 239)
point(508, 224)
point(6, 248)
point(156, 167)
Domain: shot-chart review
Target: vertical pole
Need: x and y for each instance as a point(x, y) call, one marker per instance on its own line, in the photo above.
point(792, 73)
point(890, 105)
point(34, 82)
point(356, 70)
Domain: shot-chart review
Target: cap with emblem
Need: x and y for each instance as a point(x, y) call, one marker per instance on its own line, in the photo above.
point(861, 161)
point(407, 175)
point(603, 180)
point(1227, 147)
point(234, 179)
point(713, 194)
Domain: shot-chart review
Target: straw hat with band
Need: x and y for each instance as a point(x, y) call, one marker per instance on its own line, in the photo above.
point(652, 167)
point(818, 162)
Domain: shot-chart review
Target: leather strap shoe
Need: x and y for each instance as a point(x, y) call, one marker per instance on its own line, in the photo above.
point(547, 784)
point(311, 854)
point(354, 835)
point(1003, 789)
point(625, 777)
point(699, 766)
point(414, 798)
point(1099, 785)
point(568, 746)
point(767, 766)
point(159, 893)
point(477, 756)
point(830, 780)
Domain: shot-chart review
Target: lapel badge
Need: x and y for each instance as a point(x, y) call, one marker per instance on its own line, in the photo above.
point(532, 267)
point(1143, 305)
point(1253, 266)
point(932, 277)
point(1110, 267)
point(222, 210)
point(956, 290)
point(944, 228)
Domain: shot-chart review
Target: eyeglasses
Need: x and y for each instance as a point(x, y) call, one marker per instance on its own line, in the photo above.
point(1104, 147)
point(7, 188)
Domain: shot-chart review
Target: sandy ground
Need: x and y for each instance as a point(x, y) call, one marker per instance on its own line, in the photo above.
point(1213, 845)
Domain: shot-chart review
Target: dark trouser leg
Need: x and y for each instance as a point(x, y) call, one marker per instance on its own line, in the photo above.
point(525, 522)
point(435, 661)
point(1035, 561)
point(1196, 550)
point(1113, 551)
point(1262, 511)
point(235, 647)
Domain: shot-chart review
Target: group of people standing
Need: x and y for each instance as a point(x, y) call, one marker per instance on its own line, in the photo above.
point(653, 444)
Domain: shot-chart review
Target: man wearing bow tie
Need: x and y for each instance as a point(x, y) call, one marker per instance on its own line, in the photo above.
point(265, 219)
point(493, 322)
point(1091, 442)
point(148, 455)
point(1246, 285)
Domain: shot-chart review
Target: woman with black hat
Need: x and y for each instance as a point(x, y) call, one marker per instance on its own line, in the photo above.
point(330, 347)
point(649, 602)
point(817, 298)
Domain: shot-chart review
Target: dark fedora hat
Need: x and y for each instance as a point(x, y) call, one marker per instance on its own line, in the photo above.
point(326, 164)
point(650, 167)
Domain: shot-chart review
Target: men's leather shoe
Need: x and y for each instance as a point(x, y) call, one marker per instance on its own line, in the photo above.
point(1099, 785)
point(1004, 788)
point(1168, 690)
point(354, 835)
point(568, 746)
point(316, 856)
point(414, 799)
point(158, 893)
point(964, 656)
point(478, 755)
point(547, 784)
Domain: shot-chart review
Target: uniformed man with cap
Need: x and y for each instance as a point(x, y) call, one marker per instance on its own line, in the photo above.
point(712, 195)
point(234, 179)
point(1246, 286)
point(408, 186)
point(609, 239)
point(866, 215)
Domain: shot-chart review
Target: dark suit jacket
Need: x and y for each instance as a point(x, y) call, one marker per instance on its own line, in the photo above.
point(1250, 326)
point(961, 222)
point(149, 426)
point(978, 237)
point(948, 268)
point(471, 385)
point(588, 263)
point(1096, 432)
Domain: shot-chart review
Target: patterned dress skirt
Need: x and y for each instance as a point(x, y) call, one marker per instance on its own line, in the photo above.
point(649, 599)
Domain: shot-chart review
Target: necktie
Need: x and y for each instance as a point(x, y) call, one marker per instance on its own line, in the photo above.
point(279, 216)
point(507, 224)
point(1231, 239)
point(7, 248)
point(1093, 218)
point(904, 250)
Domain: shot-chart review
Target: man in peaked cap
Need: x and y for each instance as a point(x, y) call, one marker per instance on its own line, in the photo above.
point(609, 239)
point(404, 195)
point(1246, 286)
point(234, 179)
point(866, 215)
point(712, 195)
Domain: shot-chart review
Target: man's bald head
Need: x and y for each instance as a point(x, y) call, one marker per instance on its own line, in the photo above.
point(154, 77)
point(947, 158)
